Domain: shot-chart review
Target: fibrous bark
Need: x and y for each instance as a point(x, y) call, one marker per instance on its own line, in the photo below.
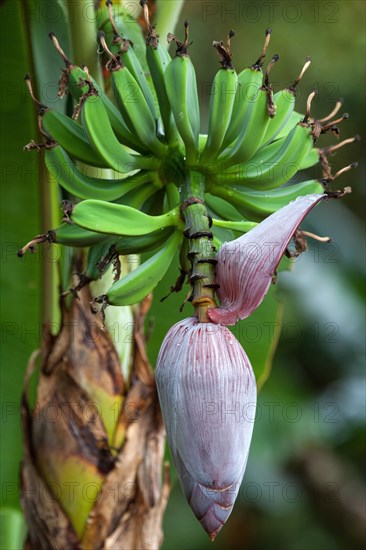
point(92, 470)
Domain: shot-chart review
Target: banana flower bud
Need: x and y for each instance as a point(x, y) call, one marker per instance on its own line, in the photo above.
point(205, 382)
point(207, 393)
point(246, 265)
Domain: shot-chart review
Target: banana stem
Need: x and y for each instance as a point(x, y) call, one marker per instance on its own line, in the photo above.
point(201, 252)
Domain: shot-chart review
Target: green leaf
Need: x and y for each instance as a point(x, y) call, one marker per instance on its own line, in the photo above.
point(20, 214)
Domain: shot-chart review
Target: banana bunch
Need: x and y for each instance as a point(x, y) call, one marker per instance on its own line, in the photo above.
point(145, 179)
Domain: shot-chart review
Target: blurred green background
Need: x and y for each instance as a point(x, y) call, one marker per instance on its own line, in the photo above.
point(304, 486)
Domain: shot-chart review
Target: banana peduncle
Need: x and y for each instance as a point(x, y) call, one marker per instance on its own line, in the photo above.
point(201, 251)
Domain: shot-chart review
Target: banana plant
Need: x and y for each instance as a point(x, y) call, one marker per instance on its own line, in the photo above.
point(163, 189)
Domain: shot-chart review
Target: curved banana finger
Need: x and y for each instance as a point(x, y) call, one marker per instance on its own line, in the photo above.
point(255, 203)
point(75, 80)
point(135, 286)
point(284, 101)
point(255, 126)
point(181, 87)
point(275, 170)
point(158, 58)
point(71, 136)
point(133, 104)
point(222, 208)
point(118, 219)
point(82, 186)
point(222, 100)
point(97, 127)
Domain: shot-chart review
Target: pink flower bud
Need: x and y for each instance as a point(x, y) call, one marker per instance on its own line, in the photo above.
point(207, 393)
point(246, 265)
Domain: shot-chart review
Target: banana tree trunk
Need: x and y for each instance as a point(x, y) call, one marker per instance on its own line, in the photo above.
point(94, 444)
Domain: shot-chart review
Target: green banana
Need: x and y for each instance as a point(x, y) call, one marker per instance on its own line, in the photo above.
point(284, 101)
point(135, 286)
point(158, 59)
point(242, 226)
point(70, 136)
point(121, 20)
point(278, 168)
point(231, 218)
point(133, 104)
point(222, 101)
point(221, 105)
point(250, 168)
point(222, 208)
point(124, 48)
point(172, 197)
point(294, 119)
point(249, 83)
point(76, 80)
point(97, 127)
point(136, 110)
point(202, 139)
point(118, 219)
point(132, 63)
point(97, 263)
point(137, 197)
point(222, 235)
point(121, 129)
point(311, 159)
point(82, 186)
point(252, 133)
point(260, 204)
point(143, 243)
point(181, 87)
point(74, 235)
point(100, 256)
point(254, 128)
